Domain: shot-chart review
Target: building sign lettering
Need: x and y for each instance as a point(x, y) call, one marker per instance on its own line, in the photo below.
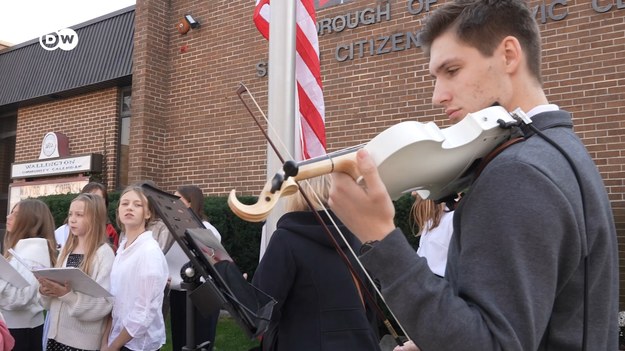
point(76, 164)
point(352, 20)
point(602, 6)
point(553, 10)
point(21, 191)
point(415, 7)
point(378, 46)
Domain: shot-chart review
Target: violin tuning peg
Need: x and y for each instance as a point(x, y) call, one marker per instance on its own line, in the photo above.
point(276, 182)
point(290, 168)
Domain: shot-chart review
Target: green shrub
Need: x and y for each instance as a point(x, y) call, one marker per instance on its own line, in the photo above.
point(58, 204)
point(240, 238)
point(402, 218)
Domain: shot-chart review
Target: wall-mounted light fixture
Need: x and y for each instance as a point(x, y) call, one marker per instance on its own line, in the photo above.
point(186, 23)
point(192, 22)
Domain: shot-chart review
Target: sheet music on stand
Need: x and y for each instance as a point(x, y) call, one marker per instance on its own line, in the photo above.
point(224, 285)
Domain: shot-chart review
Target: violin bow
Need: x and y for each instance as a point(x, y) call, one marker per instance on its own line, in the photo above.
point(366, 293)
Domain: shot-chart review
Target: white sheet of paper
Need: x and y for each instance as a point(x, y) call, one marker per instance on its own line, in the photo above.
point(78, 280)
point(11, 275)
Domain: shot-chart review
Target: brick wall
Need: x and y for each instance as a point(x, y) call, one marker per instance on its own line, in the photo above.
point(89, 121)
point(210, 140)
point(149, 91)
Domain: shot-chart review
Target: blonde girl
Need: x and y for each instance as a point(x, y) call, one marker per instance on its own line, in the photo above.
point(30, 232)
point(138, 280)
point(77, 320)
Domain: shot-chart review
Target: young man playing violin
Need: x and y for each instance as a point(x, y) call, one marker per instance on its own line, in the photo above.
point(533, 259)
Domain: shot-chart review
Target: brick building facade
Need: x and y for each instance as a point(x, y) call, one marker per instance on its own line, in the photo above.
point(187, 125)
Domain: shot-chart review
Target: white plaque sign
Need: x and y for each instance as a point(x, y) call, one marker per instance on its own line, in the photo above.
point(67, 165)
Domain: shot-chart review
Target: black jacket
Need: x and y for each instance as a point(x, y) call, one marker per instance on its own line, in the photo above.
point(319, 307)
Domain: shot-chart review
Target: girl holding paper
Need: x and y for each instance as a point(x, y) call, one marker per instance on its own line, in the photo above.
point(30, 235)
point(77, 320)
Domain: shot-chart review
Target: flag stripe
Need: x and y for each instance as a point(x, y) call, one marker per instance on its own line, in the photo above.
point(307, 73)
point(313, 147)
point(311, 115)
point(308, 82)
point(308, 54)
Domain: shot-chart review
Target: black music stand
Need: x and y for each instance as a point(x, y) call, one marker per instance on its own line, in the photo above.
point(223, 284)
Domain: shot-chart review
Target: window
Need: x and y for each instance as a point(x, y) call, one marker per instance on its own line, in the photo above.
point(8, 128)
point(125, 103)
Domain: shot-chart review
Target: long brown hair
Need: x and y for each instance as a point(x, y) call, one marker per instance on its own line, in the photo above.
point(33, 220)
point(96, 215)
point(194, 196)
point(426, 214)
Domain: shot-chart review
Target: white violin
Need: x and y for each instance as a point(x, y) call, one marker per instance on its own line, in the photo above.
point(409, 155)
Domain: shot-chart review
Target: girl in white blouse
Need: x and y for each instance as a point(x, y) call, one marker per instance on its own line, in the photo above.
point(30, 232)
point(77, 320)
point(138, 280)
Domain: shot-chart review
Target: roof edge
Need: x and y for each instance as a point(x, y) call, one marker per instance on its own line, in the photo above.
point(74, 27)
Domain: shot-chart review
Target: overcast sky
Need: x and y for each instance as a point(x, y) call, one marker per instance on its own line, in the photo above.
point(23, 20)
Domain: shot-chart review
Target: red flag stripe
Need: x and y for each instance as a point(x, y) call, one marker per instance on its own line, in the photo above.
point(310, 57)
point(307, 73)
point(311, 115)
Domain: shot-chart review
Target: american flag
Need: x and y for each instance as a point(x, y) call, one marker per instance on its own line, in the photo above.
point(307, 74)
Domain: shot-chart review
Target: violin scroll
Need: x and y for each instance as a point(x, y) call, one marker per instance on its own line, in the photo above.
point(285, 184)
point(267, 199)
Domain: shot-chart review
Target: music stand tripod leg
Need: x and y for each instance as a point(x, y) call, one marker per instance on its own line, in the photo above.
point(189, 284)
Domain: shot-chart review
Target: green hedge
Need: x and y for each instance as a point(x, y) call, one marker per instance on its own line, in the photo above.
point(240, 238)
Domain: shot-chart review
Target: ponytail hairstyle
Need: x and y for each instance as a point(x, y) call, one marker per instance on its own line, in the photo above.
point(96, 216)
point(426, 214)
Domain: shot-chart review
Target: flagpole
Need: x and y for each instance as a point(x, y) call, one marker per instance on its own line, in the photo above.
point(281, 96)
